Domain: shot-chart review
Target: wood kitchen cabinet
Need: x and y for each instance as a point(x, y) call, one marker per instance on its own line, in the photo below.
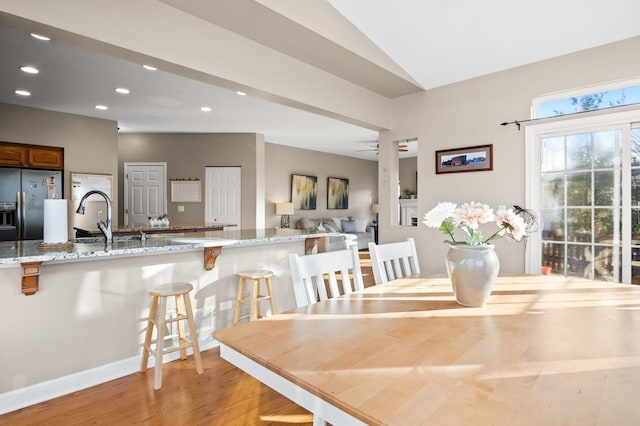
point(31, 156)
point(12, 155)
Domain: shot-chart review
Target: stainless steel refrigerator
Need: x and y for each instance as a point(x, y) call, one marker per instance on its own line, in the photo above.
point(22, 195)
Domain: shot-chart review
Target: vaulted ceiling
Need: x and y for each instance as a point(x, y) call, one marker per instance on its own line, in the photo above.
point(388, 49)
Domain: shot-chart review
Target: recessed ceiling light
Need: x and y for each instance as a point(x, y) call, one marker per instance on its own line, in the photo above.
point(123, 91)
point(150, 68)
point(22, 92)
point(29, 69)
point(101, 107)
point(40, 37)
point(241, 93)
point(205, 109)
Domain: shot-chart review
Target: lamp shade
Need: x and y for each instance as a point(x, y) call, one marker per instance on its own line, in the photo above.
point(284, 208)
point(375, 208)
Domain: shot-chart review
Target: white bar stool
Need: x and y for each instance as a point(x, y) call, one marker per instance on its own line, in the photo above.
point(252, 296)
point(158, 317)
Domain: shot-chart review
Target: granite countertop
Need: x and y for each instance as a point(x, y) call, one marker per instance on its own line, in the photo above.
point(15, 252)
point(146, 228)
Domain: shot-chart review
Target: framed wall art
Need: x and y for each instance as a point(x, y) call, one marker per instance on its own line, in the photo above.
point(469, 159)
point(337, 193)
point(304, 192)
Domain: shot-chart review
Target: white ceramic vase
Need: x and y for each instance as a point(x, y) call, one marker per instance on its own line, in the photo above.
point(473, 271)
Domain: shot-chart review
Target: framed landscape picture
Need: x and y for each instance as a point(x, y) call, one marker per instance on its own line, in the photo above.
point(469, 159)
point(337, 193)
point(304, 192)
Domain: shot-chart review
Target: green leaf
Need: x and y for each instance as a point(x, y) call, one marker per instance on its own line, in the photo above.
point(474, 238)
point(446, 227)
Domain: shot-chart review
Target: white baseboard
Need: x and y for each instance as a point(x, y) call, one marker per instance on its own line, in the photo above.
point(34, 394)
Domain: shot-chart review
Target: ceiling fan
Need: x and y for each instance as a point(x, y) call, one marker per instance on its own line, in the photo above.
point(402, 147)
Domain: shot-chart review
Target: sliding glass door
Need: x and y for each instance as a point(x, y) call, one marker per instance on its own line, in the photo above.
point(587, 194)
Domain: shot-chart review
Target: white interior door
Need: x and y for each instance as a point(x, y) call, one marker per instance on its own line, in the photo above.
point(145, 191)
point(223, 195)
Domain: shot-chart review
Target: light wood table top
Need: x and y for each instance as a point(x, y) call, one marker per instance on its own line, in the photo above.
point(544, 351)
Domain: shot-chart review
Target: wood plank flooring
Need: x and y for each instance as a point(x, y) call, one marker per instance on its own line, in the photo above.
point(223, 395)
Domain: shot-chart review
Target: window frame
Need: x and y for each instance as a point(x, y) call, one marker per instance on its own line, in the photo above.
point(581, 91)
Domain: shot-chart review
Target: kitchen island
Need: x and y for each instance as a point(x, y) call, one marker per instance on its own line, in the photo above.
point(85, 324)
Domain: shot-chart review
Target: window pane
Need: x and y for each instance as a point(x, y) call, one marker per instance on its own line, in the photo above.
point(635, 187)
point(578, 261)
point(579, 189)
point(553, 224)
point(604, 149)
point(579, 152)
point(635, 265)
point(553, 190)
point(635, 225)
point(603, 188)
point(553, 255)
point(604, 226)
point(579, 225)
point(552, 154)
point(612, 98)
point(603, 264)
point(635, 147)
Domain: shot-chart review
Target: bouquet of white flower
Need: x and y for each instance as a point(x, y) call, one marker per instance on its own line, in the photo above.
point(468, 217)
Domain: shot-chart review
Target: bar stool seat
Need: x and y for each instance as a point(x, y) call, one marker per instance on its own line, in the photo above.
point(252, 296)
point(160, 317)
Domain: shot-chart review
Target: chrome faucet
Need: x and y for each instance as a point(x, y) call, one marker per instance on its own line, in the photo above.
point(104, 227)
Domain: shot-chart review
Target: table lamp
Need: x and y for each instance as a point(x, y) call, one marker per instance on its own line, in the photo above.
point(284, 210)
point(375, 208)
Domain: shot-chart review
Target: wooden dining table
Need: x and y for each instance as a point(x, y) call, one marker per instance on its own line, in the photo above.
point(545, 350)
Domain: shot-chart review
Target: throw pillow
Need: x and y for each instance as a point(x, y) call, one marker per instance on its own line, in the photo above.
point(329, 227)
point(338, 222)
point(307, 223)
point(349, 226)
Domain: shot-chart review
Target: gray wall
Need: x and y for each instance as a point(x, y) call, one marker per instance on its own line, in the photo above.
point(283, 161)
point(408, 168)
point(90, 146)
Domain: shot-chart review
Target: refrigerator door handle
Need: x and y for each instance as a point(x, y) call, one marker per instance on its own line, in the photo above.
point(23, 215)
point(18, 216)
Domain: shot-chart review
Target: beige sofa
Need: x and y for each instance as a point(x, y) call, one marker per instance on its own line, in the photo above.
point(349, 226)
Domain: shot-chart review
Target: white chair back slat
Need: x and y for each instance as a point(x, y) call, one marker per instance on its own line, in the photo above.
point(394, 260)
point(325, 265)
point(333, 286)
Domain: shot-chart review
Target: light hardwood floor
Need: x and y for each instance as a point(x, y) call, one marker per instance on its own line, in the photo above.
point(223, 395)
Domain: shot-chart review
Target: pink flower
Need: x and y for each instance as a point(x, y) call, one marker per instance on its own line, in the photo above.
point(510, 223)
point(472, 214)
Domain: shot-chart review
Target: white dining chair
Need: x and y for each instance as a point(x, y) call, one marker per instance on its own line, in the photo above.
point(394, 260)
point(341, 269)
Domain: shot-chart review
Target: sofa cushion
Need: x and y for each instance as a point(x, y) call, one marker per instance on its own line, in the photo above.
point(349, 226)
point(306, 223)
